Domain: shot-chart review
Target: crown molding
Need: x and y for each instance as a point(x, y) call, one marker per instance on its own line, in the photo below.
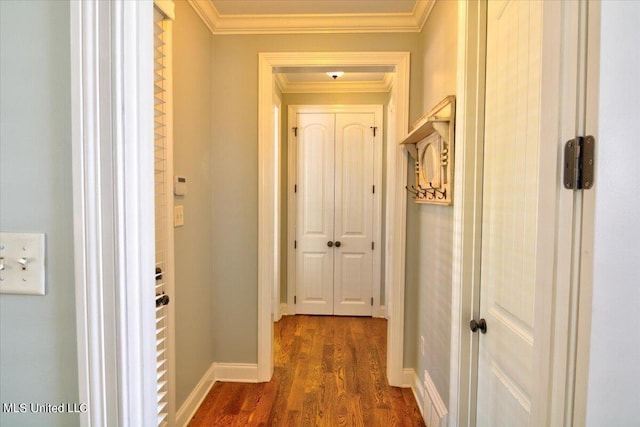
point(207, 12)
point(313, 23)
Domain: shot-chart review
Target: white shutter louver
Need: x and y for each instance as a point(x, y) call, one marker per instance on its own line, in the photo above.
point(162, 193)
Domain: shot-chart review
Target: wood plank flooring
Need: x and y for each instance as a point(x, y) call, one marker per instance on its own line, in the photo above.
point(329, 371)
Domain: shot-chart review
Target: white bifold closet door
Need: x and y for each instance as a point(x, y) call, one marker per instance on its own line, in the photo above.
point(335, 203)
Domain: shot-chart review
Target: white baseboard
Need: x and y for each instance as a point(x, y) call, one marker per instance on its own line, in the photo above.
point(236, 372)
point(410, 379)
point(230, 372)
point(193, 402)
point(434, 411)
point(284, 309)
point(376, 312)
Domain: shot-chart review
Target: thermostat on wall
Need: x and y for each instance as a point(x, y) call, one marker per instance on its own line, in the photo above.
point(180, 185)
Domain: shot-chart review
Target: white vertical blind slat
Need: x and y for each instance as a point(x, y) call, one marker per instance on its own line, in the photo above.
point(161, 194)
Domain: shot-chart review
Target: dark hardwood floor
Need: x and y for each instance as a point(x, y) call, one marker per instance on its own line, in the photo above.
point(329, 371)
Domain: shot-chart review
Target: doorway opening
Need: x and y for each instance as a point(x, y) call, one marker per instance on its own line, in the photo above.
point(394, 209)
point(334, 199)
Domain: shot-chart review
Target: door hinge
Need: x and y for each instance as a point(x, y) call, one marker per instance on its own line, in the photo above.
point(374, 128)
point(373, 246)
point(578, 163)
point(295, 131)
point(295, 244)
point(295, 188)
point(374, 189)
point(295, 299)
point(371, 301)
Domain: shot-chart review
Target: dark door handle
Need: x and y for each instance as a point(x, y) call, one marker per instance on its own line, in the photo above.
point(329, 243)
point(338, 243)
point(481, 324)
point(162, 299)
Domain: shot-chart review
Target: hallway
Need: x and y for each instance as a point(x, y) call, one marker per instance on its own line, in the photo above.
point(329, 371)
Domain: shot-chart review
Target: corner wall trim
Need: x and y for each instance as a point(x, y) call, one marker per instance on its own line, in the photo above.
point(410, 380)
point(434, 411)
point(190, 406)
point(229, 372)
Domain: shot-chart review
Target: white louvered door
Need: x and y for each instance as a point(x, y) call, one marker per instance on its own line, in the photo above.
point(163, 216)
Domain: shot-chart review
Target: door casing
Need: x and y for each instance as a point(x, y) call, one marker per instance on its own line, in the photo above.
point(395, 207)
point(293, 110)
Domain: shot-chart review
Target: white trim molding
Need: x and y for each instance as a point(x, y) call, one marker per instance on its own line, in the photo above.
point(434, 411)
point(227, 372)
point(410, 380)
point(196, 397)
point(313, 23)
point(396, 196)
point(236, 372)
point(287, 86)
point(112, 143)
point(467, 212)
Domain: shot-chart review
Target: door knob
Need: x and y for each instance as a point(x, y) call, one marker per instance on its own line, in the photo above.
point(162, 299)
point(329, 243)
point(338, 243)
point(481, 324)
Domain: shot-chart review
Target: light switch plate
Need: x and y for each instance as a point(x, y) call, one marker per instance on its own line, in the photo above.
point(22, 267)
point(178, 216)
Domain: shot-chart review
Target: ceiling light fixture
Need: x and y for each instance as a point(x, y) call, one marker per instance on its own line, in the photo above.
point(335, 74)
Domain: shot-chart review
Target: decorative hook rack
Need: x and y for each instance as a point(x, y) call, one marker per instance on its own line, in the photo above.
point(430, 142)
point(430, 193)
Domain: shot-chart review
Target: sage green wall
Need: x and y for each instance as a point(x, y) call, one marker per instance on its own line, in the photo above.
point(194, 305)
point(430, 227)
point(235, 170)
point(380, 98)
point(38, 360)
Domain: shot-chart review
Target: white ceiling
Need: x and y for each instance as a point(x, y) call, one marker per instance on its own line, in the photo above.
point(347, 77)
point(297, 7)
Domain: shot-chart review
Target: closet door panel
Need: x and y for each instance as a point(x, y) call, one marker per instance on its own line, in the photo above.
point(315, 206)
point(354, 177)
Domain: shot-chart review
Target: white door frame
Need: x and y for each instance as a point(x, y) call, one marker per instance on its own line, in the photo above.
point(112, 149)
point(111, 61)
point(377, 110)
point(564, 400)
point(268, 198)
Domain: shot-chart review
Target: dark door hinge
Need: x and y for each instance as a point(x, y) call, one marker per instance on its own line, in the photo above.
point(295, 131)
point(295, 244)
point(374, 189)
point(295, 299)
point(578, 163)
point(374, 128)
point(371, 301)
point(295, 188)
point(373, 246)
